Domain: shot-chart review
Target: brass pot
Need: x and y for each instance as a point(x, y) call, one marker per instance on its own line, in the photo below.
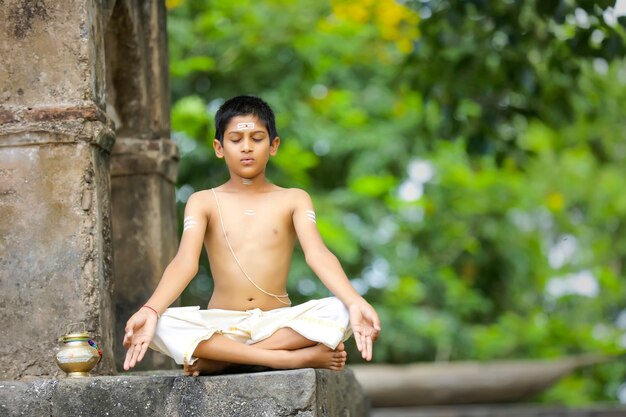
point(79, 353)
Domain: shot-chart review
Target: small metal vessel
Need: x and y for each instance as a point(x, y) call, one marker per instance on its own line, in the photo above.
point(79, 353)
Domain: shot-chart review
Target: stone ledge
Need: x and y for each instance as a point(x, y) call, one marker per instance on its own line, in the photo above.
point(301, 392)
point(513, 410)
point(52, 125)
point(85, 111)
point(133, 156)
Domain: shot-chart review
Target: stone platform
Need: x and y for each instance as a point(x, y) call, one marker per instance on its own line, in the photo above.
point(302, 393)
point(512, 410)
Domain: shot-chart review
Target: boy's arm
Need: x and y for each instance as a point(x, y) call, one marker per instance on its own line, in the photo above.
point(141, 326)
point(184, 266)
point(364, 320)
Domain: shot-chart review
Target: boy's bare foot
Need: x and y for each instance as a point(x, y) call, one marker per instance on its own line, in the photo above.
point(318, 356)
point(204, 367)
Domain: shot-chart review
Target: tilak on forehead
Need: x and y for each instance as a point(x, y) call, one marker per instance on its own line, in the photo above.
point(245, 126)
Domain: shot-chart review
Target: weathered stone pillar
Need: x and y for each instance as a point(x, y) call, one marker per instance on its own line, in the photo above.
point(55, 142)
point(144, 160)
point(144, 229)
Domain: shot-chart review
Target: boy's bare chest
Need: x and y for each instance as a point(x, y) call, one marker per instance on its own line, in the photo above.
point(251, 220)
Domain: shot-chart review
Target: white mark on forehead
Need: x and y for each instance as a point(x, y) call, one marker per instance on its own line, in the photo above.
point(245, 126)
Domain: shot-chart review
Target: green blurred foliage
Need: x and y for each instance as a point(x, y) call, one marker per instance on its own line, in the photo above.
point(466, 160)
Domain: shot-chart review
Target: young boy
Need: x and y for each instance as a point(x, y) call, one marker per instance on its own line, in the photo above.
point(249, 227)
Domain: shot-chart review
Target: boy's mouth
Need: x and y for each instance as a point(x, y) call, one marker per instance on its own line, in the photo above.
point(247, 160)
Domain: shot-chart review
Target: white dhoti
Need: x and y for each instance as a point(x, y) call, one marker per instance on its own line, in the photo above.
point(181, 329)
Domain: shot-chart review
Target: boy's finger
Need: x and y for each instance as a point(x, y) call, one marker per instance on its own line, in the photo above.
point(136, 351)
point(368, 342)
point(373, 317)
point(128, 337)
point(130, 325)
point(129, 357)
point(357, 338)
point(377, 324)
point(363, 346)
point(144, 348)
point(129, 354)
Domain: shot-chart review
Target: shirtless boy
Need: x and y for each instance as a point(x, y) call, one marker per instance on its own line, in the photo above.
point(248, 227)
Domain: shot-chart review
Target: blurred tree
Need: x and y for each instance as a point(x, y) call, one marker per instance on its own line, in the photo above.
point(466, 160)
point(488, 63)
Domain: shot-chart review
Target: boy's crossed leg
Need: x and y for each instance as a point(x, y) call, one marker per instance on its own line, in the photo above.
point(285, 349)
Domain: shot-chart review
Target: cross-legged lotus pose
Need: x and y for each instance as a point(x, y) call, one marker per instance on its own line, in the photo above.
point(249, 227)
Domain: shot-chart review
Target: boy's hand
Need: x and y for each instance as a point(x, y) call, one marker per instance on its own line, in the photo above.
point(140, 330)
point(365, 325)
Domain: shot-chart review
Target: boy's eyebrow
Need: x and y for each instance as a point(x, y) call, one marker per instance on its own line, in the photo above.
point(240, 132)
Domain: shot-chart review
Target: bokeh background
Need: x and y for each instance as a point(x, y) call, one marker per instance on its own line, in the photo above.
point(466, 158)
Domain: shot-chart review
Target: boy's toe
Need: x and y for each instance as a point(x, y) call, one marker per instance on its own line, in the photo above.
point(191, 370)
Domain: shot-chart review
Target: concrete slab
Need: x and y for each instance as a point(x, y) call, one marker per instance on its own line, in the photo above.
point(302, 393)
point(512, 410)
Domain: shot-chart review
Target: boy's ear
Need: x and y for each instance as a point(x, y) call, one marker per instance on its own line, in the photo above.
point(274, 146)
point(219, 149)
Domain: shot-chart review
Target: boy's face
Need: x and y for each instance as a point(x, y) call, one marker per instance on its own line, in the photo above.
point(246, 147)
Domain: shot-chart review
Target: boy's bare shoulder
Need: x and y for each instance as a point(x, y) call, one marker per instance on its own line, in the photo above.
point(297, 197)
point(201, 200)
point(296, 193)
point(201, 196)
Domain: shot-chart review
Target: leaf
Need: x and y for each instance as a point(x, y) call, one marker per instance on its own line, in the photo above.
point(373, 185)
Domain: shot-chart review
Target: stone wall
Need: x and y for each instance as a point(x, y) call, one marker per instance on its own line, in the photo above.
point(68, 85)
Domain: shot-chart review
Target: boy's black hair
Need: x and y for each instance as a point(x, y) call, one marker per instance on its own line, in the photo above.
point(241, 106)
